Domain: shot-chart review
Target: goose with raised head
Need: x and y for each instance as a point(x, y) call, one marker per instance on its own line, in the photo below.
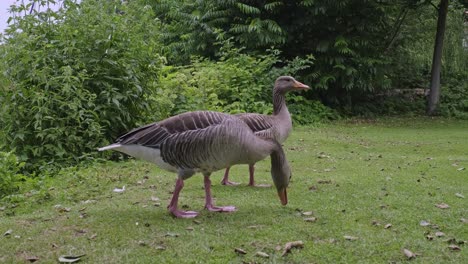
point(203, 141)
point(276, 126)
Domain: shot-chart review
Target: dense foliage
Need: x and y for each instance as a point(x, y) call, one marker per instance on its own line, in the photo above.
point(76, 78)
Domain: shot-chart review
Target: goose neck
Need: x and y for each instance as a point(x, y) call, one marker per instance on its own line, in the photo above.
point(279, 103)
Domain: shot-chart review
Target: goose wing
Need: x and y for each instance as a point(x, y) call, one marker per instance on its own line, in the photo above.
point(154, 134)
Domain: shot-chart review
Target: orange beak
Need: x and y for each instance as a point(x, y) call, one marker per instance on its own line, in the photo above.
point(283, 196)
point(300, 86)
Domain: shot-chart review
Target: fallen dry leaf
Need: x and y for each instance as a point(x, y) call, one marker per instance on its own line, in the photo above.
point(350, 238)
point(459, 195)
point(460, 169)
point(189, 228)
point(442, 206)
point(196, 222)
point(313, 188)
point(290, 245)
point(32, 258)
point(311, 219)
point(154, 199)
point(119, 190)
point(262, 254)
point(160, 247)
point(142, 243)
point(424, 223)
point(409, 254)
point(307, 213)
point(439, 234)
point(70, 259)
point(8, 232)
point(240, 251)
point(429, 237)
point(454, 247)
point(463, 220)
point(387, 226)
point(169, 234)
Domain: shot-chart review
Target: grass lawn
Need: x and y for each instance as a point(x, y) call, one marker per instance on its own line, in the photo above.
point(372, 187)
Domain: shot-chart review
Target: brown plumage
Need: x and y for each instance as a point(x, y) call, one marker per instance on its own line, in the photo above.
point(276, 126)
point(203, 141)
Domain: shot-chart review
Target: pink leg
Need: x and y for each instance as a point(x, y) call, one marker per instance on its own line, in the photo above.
point(174, 201)
point(209, 200)
point(251, 179)
point(226, 181)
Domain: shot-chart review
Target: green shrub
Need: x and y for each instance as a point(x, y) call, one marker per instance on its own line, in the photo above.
point(454, 98)
point(77, 78)
point(10, 176)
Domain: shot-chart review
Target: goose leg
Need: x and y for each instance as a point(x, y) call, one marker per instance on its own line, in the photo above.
point(226, 181)
point(251, 178)
point(172, 207)
point(209, 200)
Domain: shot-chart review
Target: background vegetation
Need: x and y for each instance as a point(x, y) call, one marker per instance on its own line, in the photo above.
point(75, 78)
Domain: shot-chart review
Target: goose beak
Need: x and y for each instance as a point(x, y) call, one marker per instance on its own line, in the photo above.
point(300, 86)
point(283, 196)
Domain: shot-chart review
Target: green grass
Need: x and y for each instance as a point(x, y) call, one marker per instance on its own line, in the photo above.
point(382, 172)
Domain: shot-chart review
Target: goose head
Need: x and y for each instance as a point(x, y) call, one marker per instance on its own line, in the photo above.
point(286, 84)
point(281, 174)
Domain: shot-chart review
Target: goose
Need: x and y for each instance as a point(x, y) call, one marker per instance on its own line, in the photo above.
point(276, 126)
point(203, 141)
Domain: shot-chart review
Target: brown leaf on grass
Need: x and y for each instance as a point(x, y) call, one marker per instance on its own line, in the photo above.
point(262, 254)
point(31, 258)
point(70, 259)
point(409, 254)
point(323, 156)
point(62, 209)
point(160, 247)
point(169, 234)
point(290, 245)
point(459, 195)
point(311, 219)
point(350, 238)
point(92, 237)
point(454, 247)
point(189, 228)
point(307, 213)
point(424, 223)
point(8, 232)
point(240, 251)
point(196, 222)
point(439, 234)
point(387, 226)
point(313, 188)
point(375, 223)
point(430, 237)
point(442, 206)
point(460, 169)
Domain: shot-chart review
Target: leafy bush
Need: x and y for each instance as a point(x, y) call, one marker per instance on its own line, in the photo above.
point(10, 176)
point(454, 98)
point(237, 83)
point(77, 78)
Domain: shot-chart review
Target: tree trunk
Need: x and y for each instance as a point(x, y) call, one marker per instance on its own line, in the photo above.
point(434, 93)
